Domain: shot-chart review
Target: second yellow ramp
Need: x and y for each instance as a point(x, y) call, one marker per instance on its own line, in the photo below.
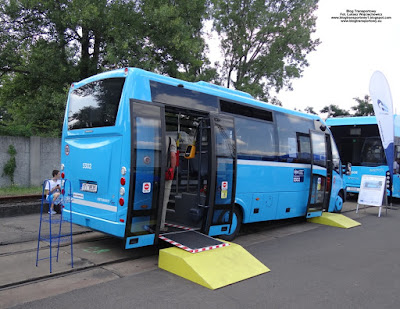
point(337, 220)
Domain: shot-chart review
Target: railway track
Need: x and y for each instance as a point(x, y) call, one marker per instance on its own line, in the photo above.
point(20, 199)
point(20, 205)
point(89, 239)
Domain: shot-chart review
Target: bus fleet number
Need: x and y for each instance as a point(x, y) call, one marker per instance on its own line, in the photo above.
point(87, 166)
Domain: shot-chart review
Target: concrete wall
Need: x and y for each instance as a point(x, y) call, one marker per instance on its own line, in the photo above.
point(36, 158)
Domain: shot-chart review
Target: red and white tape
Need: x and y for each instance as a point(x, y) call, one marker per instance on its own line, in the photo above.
point(177, 244)
point(209, 248)
point(179, 227)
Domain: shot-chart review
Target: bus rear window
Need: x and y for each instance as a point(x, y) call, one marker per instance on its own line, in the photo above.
point(95, 104)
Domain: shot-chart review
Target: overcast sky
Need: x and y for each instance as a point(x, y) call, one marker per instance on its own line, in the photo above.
point(342, 65)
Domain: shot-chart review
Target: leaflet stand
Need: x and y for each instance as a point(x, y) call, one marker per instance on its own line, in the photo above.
point(48, 223)
point(373, 192)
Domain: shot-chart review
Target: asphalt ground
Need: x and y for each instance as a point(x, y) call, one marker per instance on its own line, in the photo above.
point(312, 266)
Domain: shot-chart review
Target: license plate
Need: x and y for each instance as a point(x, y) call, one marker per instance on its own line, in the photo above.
point(89, 187)
point(355, 189)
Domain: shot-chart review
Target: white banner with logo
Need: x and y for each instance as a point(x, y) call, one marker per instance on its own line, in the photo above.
point(383, 107)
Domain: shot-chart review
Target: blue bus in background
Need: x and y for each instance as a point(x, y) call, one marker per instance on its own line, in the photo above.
point(252, 161)
point(359, 143)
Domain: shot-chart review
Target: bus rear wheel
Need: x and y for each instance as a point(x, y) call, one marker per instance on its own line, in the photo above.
point(236, 223)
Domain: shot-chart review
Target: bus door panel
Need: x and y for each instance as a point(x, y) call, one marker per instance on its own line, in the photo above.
point(147, 167)
point(317, 199)
point(329, 171)
point(223, 174)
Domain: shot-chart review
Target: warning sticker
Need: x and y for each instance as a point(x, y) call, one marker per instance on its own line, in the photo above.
point(298, 175)
point(146, 187)
point(224, 189)
point(224, 194)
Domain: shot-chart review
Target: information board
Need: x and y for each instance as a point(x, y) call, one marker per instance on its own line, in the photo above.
point(372, 189)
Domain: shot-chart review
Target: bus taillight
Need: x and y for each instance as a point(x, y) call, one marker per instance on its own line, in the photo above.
point(121, 202)
point(123, 181)
point(62, 175)
point(328, 183)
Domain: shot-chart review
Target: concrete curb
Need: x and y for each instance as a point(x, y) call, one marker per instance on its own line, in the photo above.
point(21, 209)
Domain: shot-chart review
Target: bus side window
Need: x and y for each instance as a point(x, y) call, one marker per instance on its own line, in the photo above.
point(253, 145)
point(289, 129)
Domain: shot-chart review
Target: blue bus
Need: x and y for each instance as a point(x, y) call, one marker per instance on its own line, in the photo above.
point(252, 161)
point(359, 143)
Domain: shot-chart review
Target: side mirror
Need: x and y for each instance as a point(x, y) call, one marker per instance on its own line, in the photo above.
point(347, 169)
point(190, 152)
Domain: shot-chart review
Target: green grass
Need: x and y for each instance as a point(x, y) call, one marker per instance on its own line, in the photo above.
point(16, 190)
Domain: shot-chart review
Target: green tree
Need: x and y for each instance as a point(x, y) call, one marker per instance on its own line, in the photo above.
point(334, 111)
point(264, 43)
point(275, 101)
point(47, 44)
point(364, 107)
point(310, 110)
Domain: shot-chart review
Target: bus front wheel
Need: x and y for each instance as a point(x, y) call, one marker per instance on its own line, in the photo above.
point(339, 203)
point(236, 223)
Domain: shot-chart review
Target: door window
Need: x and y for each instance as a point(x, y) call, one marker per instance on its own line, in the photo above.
point(319, 149)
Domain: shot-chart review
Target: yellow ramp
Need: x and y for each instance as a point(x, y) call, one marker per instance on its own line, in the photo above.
point(337, 220)
point(214, 268)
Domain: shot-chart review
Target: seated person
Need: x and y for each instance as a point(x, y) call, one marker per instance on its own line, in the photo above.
point(53, 190)
point(396, 166)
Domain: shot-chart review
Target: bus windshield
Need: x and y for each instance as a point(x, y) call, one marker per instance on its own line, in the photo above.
point(372, 152)
point(95, 104)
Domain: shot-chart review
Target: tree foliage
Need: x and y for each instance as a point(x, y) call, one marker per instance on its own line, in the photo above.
point(265, 43)
point(334, 111)
point(47, 44)
point(310, 110)
point(364, 107)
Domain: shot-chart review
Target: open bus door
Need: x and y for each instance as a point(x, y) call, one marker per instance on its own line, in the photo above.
point(147, 166)
point(199, 214)
point(221, 217)
point(318, 198)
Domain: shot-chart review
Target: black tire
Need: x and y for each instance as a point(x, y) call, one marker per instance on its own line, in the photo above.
point(342, 197)
point(237, 215)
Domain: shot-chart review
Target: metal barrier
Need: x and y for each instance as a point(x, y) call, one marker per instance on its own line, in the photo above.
point(47, 233)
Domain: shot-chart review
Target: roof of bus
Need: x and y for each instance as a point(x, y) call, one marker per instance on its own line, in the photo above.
point(201, 86)
point(347, 121)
